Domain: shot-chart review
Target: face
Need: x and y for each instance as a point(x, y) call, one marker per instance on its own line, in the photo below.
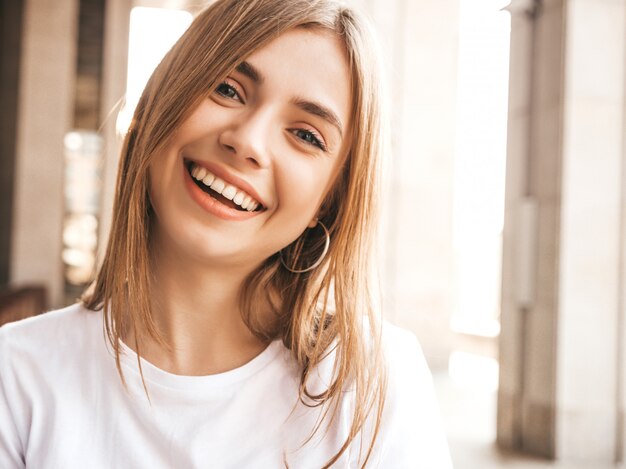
point(247, 171)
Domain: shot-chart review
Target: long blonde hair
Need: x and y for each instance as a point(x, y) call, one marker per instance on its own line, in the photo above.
point(330, 306)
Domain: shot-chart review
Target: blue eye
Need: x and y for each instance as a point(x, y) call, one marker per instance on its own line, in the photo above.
point(228, 91)
point(310, 138)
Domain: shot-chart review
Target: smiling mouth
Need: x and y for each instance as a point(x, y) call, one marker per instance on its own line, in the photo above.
point(221, 191)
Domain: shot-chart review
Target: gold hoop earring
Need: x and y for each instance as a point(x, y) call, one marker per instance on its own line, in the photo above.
point(317, 262)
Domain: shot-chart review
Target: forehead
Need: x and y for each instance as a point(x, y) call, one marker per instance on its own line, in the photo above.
point(310, 64)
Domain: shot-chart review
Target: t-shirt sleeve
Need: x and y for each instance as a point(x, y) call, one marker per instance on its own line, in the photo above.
point(10, 444)
point(413, 432)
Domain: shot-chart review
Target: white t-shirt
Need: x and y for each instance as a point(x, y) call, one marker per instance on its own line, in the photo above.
point(63, 405)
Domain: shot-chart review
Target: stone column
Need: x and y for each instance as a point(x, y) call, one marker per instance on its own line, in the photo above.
point(530, 237)
point(10, 55)
point(563, 287)
point(45, 114)
point(591, 240)
point(116, 29)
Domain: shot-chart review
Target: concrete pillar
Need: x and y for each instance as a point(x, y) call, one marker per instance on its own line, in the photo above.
point(45, 114)
point(588, 363)
point(10, 55)
point(116, 29)
point(563, 287)
point(512, 318)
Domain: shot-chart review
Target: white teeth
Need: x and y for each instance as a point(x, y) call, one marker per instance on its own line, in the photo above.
point(246, 201)
point(242, 199)
point(208, 179)
point(218, 185)
point(229, 192)
point(239, 198)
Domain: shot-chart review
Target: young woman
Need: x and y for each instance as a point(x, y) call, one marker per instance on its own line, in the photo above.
point(234, 296)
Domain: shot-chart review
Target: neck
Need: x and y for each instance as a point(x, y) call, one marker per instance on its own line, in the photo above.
point(196, 309)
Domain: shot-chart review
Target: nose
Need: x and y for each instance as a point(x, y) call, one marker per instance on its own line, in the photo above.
point(247, 139)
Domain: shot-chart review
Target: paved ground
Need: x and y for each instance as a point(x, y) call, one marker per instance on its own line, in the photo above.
point(469, 415)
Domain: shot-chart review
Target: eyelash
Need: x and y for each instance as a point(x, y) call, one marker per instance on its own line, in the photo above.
point(310, 137)
point(316, 139)
point(230, 88)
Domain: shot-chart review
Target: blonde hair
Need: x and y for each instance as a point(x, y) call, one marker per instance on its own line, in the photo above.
point(327, 308)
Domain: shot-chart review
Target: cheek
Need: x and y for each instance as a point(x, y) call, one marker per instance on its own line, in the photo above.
point(308, 186)
point(301, 191)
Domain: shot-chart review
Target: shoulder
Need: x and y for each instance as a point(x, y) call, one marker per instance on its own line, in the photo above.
point(49, 353)
point(49, 335)
point(411, 428)
point(46, 325)
point(409, 379)
point(43, 362)
point(404, 357)
point(397, 341)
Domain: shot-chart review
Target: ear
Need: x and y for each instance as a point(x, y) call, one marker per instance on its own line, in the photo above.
point(312, 223)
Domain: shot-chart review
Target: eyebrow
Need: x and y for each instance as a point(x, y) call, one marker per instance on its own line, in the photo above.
point(319, 110)
point(316, 109)
point(245, 68)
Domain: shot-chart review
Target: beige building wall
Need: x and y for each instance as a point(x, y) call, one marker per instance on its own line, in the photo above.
point(562, 342)
point(45, 114)
point(588, 363)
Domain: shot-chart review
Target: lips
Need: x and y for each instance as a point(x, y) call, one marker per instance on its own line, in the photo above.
point(216, 187)
point(210, 197)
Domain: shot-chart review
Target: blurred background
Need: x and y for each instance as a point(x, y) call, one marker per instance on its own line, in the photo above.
point(504, 231)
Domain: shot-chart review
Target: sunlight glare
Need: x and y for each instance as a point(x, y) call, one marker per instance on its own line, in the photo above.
point(153, 31)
